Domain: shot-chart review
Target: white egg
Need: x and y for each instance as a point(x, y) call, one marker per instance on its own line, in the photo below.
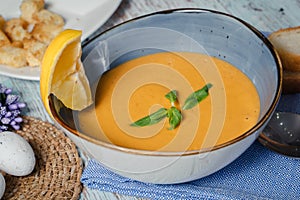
point(2, 185)
point(17, 157)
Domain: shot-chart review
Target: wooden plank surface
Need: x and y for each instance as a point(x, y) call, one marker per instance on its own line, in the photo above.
point(266, 15)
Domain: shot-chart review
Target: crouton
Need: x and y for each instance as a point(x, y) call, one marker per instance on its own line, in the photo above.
point(16, 29)
point(45, 32)
point(31, 60)
point(13, 56)
point(47, 17)
point(3, 39)
point(2, 23)
point(36, 48)
point(29, 8)
point(23, 40)
point(17, 44)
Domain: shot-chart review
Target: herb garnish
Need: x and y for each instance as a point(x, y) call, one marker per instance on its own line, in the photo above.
point(154, 118)
point(174, 116)
point(196, 97)
point(172, 96)
point(173, 113)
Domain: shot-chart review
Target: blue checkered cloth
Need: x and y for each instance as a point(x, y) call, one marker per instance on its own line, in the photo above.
point(257, 174)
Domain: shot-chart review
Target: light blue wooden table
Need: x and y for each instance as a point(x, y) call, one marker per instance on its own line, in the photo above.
point(265, 15)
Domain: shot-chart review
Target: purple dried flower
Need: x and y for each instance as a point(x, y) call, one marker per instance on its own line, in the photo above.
point(21, 105)
point(10, 99)
point(10, 110)
point(18, 119)
point(16, 127)
point(5, 121)
point(3, 128)
point(13, 106)
point(8, 114)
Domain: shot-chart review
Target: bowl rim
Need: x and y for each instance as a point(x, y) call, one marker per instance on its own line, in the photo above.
point(251, 131)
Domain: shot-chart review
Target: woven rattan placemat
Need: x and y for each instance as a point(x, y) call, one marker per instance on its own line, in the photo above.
point(58, 167)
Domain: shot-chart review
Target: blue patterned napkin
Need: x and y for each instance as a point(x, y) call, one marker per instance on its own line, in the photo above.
point(257, 174)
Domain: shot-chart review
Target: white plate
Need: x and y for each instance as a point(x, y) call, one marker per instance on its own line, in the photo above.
point(84, 15)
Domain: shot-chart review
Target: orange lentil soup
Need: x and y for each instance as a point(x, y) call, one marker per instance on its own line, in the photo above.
point(138, 87)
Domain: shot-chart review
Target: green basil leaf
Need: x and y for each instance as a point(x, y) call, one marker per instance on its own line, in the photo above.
point(172, 96)
point(151, 119)
point(196, 97)
point(175, 117)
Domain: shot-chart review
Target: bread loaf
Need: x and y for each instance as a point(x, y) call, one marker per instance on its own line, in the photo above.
point(287, 44)
point(291, 82)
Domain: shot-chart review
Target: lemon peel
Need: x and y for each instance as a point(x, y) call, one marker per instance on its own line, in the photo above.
point(62, 72)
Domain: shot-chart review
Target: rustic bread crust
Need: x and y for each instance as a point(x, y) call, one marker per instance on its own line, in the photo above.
point(286, 42)
point(286, 47)
point(291, 82)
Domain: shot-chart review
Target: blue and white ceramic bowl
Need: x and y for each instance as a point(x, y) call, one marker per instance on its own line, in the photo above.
point(193, 30)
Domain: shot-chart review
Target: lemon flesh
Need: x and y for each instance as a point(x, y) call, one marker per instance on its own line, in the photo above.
point(62, 72)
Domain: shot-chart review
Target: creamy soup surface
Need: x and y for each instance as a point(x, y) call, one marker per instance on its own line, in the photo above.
point(137, 88)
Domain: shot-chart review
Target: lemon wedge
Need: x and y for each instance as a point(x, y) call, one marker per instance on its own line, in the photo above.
point(62, 72)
